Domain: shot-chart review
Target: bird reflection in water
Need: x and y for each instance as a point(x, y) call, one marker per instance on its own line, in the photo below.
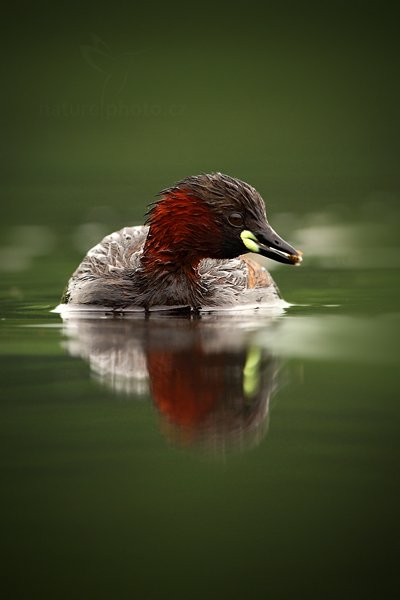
point(211, 386)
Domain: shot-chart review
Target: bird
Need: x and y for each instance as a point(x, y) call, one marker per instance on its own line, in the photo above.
point(192, 251)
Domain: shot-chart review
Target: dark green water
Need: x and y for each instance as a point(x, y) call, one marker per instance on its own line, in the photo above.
point(218, 457)
point(245, 457)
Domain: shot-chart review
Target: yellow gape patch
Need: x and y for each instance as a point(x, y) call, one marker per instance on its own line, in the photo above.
point(249, 240)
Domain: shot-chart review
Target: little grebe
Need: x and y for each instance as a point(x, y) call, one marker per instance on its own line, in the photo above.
point(188, 253)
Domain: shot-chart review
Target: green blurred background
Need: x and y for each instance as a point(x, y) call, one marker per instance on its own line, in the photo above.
point(301, 99)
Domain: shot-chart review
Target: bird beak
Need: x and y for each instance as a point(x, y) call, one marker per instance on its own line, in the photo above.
point(268, 243)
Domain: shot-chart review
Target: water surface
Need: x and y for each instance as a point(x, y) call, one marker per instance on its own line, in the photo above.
point(224, 456)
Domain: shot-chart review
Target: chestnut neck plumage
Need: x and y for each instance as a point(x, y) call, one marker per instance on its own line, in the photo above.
point(181, 233)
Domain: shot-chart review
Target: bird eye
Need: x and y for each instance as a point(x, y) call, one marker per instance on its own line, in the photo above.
point(235, 219)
